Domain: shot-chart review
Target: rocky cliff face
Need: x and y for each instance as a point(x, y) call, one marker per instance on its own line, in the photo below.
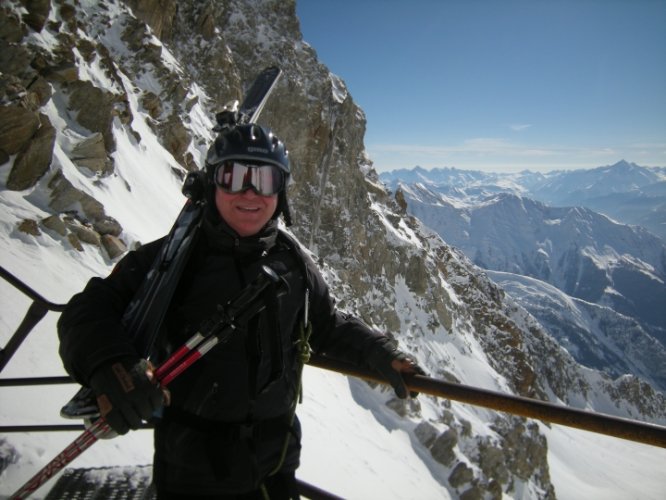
point(175, 60)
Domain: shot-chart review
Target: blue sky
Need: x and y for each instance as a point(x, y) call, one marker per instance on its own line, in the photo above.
point(500, 85)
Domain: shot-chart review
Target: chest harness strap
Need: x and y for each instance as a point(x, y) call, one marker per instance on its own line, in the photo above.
point(303, 353)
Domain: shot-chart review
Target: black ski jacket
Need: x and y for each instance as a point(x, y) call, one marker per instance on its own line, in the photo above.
point(230, 412)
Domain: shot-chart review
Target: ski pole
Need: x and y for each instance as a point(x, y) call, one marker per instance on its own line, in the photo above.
point(176, 364)
point(243, 307)
point(190, 355)
point(100, 428)
point(85, 440)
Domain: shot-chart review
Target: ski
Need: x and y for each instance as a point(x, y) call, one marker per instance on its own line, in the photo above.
point(217, 329)
point(143, 316)
point(254, 101)
point(257, 95)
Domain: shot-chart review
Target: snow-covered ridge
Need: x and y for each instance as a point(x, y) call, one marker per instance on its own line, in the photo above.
point(584, 254)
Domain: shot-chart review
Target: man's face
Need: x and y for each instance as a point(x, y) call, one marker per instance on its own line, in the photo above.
point(246, 212)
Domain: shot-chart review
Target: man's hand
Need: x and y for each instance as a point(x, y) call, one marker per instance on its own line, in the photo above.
point(391, 363)
point(127, 393)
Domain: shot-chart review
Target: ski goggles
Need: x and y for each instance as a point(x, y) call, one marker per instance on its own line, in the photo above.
point(235, 177)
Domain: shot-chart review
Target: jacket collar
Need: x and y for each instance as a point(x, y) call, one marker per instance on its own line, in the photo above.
point(222, 237)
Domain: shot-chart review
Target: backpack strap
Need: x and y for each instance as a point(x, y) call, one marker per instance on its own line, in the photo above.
point(302, 344)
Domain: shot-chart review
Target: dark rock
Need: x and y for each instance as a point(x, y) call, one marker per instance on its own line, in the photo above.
point(460, 475)
point(442, 448)
point(113, 245)
point(29, 226)
point(38, 12)
point(17, 126)
point(33, 161)
point(55, 223)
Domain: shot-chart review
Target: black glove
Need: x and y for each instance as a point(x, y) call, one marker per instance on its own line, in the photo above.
point(381, 358)
point(126, 394)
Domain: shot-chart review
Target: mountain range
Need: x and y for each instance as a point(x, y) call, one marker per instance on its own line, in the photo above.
point(624, 191)
point(611, 274)
point(105, 105)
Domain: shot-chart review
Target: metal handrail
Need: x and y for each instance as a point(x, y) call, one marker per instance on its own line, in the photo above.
point(17, 283)
point(27, 381)
point(600, 423)
point(37, 310)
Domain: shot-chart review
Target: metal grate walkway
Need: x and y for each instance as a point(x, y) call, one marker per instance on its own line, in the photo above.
point(104, 483)
point(131, 483)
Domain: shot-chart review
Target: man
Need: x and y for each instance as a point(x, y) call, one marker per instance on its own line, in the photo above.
point(228, 429)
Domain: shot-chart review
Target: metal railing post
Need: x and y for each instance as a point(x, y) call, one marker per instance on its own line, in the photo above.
point(37, 310)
